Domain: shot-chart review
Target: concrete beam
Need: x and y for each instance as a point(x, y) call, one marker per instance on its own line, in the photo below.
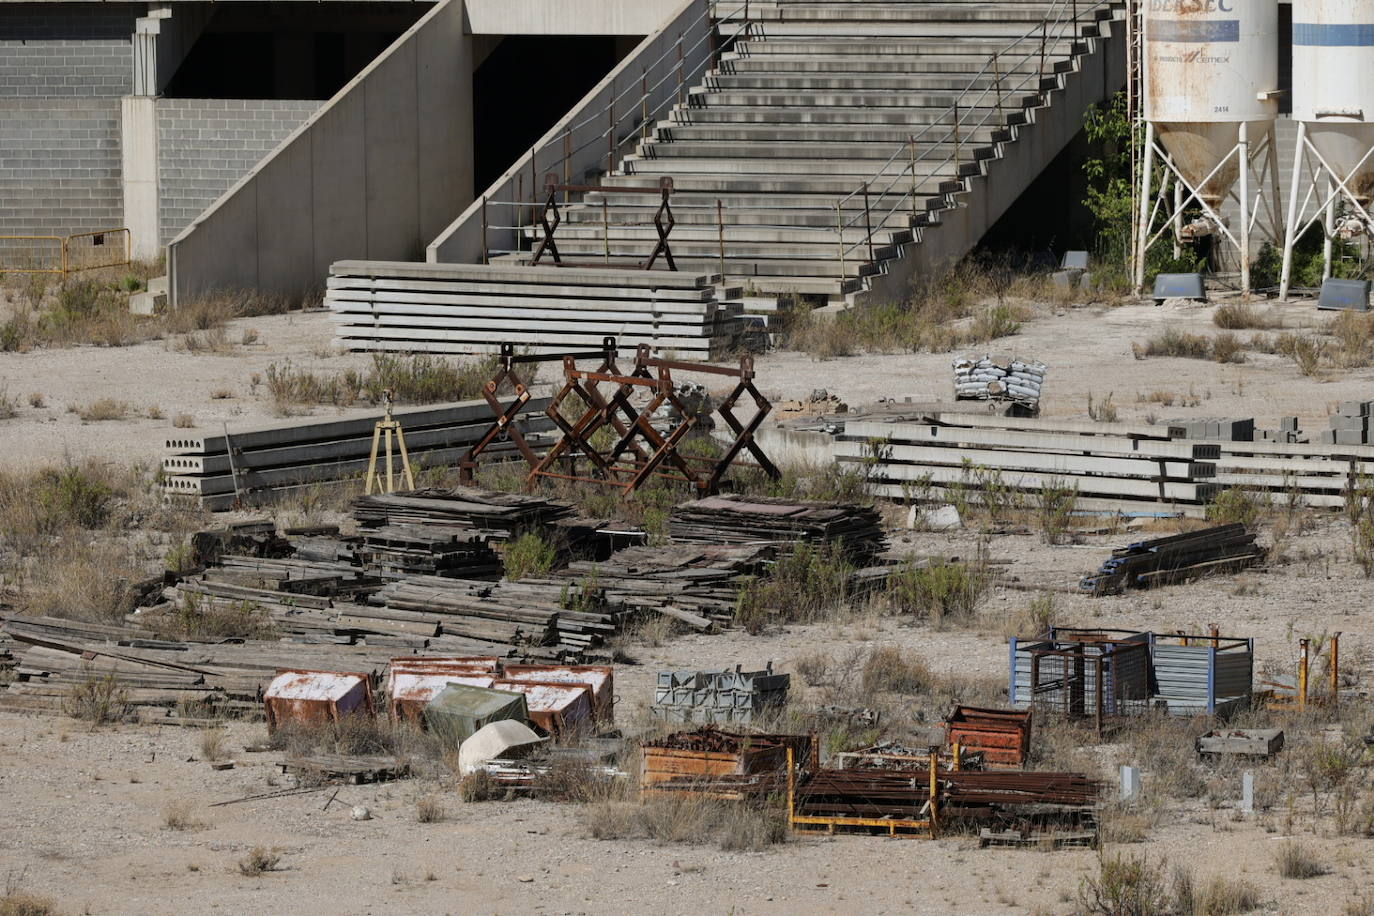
point(138, 152)
point(568, 17)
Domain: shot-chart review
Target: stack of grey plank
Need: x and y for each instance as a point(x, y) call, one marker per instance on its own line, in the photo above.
point(474, 308)
point(999, 378)
point(1114, 467)
point(704, 697)
point(256, 464)
point(734, 519)
point(499, 516)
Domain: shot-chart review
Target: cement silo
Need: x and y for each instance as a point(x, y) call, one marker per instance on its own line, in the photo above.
point(1210, 81)
point(1333, 103)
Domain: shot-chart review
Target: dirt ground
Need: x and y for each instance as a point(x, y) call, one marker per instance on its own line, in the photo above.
point(1087, 349)
point(83, 810)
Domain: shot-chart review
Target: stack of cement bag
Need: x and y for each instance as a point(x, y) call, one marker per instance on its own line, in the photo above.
point(1001, 378)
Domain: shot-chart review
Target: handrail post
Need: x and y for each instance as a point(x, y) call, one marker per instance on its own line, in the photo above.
point(720, 234)
point(1075, 24)
point(1044, 30)
point(911, 144)
point(567, 165)
point(839, 234)
point(606, 227)
point(610, 133)
point(679, 68)
point(644, 101)
point(485, 259)
point(997, 84)
point(868, 225)
point(957, 155)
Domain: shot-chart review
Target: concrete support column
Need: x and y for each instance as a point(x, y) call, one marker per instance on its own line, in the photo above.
point(138, 149)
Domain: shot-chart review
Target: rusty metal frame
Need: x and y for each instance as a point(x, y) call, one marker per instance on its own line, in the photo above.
point(503, 426)
point(664, 221)
point(64, 264)
point(803, 823)
point(641, 451)
point(1072, 681)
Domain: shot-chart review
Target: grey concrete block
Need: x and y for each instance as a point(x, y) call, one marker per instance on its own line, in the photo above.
point(1288, 424)
point(1349, 436)
point(1340, 421)
point(1353, 408)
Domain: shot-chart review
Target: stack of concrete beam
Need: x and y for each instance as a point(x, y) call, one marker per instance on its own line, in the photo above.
point(474, 308)
point(1113, 467)
point(254, 465)
point(705, 697)
point(1349, 425)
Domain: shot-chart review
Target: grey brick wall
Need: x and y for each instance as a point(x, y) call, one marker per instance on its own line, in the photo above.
point(205, 145)
point(59, 166)
point(63, 68)
point(66, 50)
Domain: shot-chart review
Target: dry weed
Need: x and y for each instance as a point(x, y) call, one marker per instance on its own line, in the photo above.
point(259, 861)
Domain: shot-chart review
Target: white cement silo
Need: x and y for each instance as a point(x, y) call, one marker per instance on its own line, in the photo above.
point(1333, 103)
point(1210, 80)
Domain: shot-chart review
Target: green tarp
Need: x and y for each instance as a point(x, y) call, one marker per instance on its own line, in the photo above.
point(457, 711)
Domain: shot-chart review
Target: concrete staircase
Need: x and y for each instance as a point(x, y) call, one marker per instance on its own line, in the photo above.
point(810, 102)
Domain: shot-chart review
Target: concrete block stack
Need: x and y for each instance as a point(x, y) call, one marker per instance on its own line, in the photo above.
point(706, 697)
point(1349, 425)
point(1223, 428)
point(1288, 433)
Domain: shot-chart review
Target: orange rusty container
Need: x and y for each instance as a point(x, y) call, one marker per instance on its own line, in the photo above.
point(553, 706)
point(311, 698)
point(599, 679)
point(1003, 736)
point(413, 680)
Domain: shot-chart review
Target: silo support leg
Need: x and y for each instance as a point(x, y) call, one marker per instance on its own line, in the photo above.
point(1144, 234)
point(1291, 224)
point(1244, 227)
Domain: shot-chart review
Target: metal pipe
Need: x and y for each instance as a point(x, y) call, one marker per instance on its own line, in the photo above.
point(1243, 153)
point(934, 792)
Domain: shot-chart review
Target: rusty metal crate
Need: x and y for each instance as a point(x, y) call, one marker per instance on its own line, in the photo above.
point(1003, 736)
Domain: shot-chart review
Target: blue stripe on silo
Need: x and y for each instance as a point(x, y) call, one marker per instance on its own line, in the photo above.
point(1187, 30)
point(1333, 34)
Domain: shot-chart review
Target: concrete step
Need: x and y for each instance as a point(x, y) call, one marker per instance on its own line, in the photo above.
point(941, 100)
point(902, 13)
point(874, 154)
point(993, 29)
point(910, 82)
point(774, 217)
point(738, 270)
point(880, 48)
point(738, 238)
point(912, 118)
point(804, 133)
point(896, 63)
point(860, 169)
point(822, 184)
point(701, 206)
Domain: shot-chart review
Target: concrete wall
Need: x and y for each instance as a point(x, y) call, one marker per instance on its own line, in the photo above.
point(1101, 74)
point(652, 65)
point(374, 174)
point(205, 145)
point(568, 17)
point(60, 82)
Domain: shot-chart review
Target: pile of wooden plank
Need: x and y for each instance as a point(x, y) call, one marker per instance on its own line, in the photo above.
point(733, 519)
point(522, 614)
point(158, 679)
point(398, 551)
point(253, 465)
point(1113, 468)
point(1170, 559)
point(499, 516)
point(696, 585)
point(474, 308)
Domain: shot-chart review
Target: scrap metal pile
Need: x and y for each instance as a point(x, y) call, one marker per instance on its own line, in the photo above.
point(734, 519)
point(1160, 561)
point(720, 764)
point(905, 794)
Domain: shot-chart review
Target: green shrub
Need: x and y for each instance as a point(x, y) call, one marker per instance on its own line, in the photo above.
point(939, 591)
point(528, 555)
point(71, 496)
point(1236, 505)
point(804, 585)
